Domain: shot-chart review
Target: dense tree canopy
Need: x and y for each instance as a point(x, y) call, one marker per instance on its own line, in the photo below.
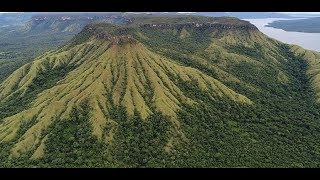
point(280, 129)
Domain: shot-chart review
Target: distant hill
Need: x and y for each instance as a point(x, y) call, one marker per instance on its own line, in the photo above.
point(71, 22)
point(240, 15)
point(308, 25)
point(14, 19)
point(27, 35)
point(245, 15)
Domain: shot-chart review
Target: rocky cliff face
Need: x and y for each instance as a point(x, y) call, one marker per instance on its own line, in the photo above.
point(201, 26)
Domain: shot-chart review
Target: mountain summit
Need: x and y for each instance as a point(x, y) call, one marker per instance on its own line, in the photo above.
point(160, 89)
point(108, 70)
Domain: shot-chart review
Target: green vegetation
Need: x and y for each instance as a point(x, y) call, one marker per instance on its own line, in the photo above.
point(208, 98)
point(21, 48)
point(44, 80)
point(280, 131)
point(30, 36)
point(70, 143)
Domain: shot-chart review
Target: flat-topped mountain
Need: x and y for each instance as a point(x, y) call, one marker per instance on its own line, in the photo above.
point(161, 91)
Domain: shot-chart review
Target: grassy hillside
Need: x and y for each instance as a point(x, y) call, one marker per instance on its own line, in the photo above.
point(19, 48)
point(209, 93)
point(22, 43)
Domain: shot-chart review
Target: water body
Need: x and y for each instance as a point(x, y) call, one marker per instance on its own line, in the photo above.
point(309, 41)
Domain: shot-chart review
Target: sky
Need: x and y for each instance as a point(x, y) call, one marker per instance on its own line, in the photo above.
point(300, 12)
point(309, 13)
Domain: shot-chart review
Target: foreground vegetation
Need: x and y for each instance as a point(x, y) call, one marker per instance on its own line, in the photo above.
point(250, 102)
